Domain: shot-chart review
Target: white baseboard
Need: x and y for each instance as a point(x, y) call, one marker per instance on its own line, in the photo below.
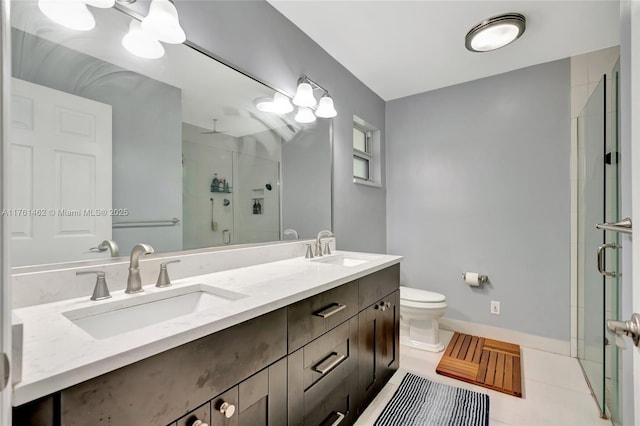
point(523, 339)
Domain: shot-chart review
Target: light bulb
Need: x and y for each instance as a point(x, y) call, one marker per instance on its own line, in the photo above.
point(72, 14)
point(305, 115)
point(140, 43)
point(304, 95)
point(162, 22)
point(326, 108)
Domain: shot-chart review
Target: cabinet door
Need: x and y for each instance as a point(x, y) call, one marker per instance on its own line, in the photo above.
point(378, 328)
point(260, 400)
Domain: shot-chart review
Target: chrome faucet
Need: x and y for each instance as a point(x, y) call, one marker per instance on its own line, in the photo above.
point(111, 245)
point(134, 283)
point(322, 234)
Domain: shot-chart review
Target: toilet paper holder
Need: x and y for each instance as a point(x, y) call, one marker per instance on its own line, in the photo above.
point(483, 279)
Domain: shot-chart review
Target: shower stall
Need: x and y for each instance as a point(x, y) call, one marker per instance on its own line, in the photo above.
point(598, 249)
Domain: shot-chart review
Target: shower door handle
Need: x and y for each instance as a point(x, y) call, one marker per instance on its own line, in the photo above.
point(601, 250)
point(623, 226)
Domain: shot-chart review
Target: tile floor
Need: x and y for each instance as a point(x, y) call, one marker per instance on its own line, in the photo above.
point(554, 391)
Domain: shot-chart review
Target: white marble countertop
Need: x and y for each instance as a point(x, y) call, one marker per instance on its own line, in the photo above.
point(58, 354)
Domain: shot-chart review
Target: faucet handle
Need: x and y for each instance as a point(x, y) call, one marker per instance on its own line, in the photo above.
point(163, 278)
point(309, 254)
point(327, 248)
point(101, 290)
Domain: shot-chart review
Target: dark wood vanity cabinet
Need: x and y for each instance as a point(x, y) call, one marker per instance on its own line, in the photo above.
point(319, 361)
point(333, 378)
point(378, 355)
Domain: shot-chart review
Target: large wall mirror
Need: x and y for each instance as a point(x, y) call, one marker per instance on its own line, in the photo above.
point(171, 151)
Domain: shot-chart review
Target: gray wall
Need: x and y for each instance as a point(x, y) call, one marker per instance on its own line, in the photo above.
point(147, 144)
point(256, 38)
point(306, 182)
point(480, 182)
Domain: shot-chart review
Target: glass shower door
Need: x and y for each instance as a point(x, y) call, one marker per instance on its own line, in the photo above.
point(598, 188)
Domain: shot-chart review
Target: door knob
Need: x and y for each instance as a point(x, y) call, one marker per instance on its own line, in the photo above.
point(630, 328)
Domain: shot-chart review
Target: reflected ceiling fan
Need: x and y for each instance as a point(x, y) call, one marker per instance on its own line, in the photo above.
point(215, 131)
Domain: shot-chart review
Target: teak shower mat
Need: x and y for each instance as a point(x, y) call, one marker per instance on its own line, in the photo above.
point(484, 362)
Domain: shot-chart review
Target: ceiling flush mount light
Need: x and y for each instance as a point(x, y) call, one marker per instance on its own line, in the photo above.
point(162, 22)
point(325, 107)
point(495, 32)
point(140, 43)
point(73, 14)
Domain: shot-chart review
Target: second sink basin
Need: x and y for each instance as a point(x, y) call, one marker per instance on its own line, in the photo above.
point(344, 259)
point(112, 318)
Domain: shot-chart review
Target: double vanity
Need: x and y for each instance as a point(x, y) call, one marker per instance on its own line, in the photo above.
point(292, 341)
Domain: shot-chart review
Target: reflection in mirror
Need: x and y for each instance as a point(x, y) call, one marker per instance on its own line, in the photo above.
point(172, 151)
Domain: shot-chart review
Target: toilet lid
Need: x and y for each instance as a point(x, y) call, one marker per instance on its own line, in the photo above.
point(418, 295)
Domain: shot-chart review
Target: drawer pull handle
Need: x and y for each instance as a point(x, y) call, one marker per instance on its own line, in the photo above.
point(331, 310)
point(338, 416)
point(227, 409)
point(329, 363)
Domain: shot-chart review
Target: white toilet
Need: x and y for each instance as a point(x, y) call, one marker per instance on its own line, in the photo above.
point(420, 311)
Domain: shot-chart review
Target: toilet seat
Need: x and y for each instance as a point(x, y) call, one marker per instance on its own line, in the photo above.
point(421, 298)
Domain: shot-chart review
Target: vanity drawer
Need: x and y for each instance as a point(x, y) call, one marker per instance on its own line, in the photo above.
point(375, 286)
point(337, 408)
point(316, 315)
point(318, 369)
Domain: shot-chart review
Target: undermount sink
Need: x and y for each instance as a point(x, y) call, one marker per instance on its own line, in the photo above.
point(116, 317)
point(344, 259)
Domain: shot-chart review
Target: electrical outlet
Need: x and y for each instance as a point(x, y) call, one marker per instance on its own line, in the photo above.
point(495, 307)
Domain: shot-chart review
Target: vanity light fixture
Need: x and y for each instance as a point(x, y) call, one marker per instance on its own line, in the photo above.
point(325, 107)
point(305, 115)
point(304, 99)
point(141, 43)
point(162, 22)
point(495, 32)
point(72, 14)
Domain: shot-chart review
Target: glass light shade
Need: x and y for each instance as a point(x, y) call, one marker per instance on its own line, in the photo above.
point(72, 14)
point(281, 104)
point(494, 37)
point(305, 115)
point(495, 32)
point(104, 4)
point(162, 22)
point(326, 108)
point(140, 43)
point(304, 96)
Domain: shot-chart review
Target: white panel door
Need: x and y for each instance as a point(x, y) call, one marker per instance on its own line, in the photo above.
point(61, 175)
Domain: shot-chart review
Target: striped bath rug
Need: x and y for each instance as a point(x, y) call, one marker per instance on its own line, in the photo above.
point(419, 402)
